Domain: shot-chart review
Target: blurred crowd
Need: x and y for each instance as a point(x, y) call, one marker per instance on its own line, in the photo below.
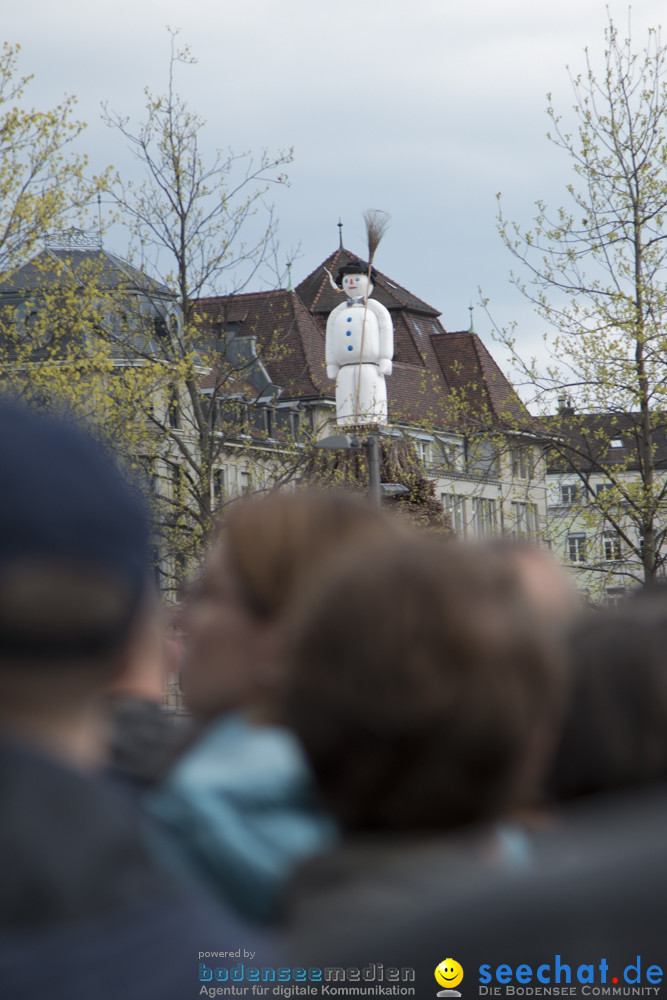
point(398, 744)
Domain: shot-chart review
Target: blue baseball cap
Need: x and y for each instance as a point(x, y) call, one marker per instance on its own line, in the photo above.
point(63, 500)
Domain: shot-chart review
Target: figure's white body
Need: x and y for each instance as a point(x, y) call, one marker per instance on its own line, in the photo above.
point(361, 392)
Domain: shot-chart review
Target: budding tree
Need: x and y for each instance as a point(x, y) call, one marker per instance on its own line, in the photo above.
point(42, 181)
point(596, 272)
point(50, 305)
point(195, 220)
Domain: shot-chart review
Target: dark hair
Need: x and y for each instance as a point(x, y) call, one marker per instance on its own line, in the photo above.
point(354, 267)
point(420, 685)
point(615, 731)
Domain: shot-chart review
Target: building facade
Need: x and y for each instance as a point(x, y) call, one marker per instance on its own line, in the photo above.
point(233, 404)
point(607, 505)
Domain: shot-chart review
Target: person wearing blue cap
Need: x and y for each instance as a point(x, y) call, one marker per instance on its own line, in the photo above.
point(83, 910)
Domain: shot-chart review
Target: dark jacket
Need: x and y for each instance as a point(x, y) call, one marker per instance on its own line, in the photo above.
point(371, 878)
point(83, 911)
point(596, 889)
point(145, 740)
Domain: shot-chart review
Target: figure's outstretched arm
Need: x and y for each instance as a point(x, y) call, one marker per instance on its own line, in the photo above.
point(332, 282)
point(332, 365)
point(386, 329)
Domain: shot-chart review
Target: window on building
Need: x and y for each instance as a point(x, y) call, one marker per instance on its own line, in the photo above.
point(150, 467)
point(484, 516)
point(482, 457)
point(520, 463)
point(455, 507)
point(180, 575)
point(601, 488)
point(576, 548)
point(288, 422)
point(245, 485)
point(174, 409)
point(218, 485)
point(177, 483)
point(569, 493)
point(262, 419)
point(616, 443)
point(524, 517)
point(284, 421)
point(233, 415)
point(453, 456)
point(615, 595)
point(298, 424)
point(611, 546)
point(160, 327)
point(423, 449)
point(227, 332)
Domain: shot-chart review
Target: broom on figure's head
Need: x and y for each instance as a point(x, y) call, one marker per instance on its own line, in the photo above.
point(377, 223)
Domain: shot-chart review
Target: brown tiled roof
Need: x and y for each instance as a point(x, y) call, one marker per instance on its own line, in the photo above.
point(226, 384)
point(318, 296)
point(431, 366)
point(583, 441)
point(473, 375)
point(289, 342)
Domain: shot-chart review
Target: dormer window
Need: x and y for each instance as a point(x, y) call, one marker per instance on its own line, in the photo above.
point(226, 332)
point(616, 443)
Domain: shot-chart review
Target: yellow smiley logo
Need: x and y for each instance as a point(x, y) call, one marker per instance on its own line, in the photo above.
point(449, 973)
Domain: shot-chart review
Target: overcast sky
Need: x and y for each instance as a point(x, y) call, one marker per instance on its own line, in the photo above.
point(424, 109)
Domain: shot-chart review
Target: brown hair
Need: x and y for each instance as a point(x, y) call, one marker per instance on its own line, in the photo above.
point(419, 685)
point(276, 542)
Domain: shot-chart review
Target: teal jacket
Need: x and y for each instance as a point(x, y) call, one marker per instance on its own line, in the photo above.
point(239, 812)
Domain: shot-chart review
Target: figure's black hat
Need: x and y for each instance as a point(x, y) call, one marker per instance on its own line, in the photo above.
point(354, 267)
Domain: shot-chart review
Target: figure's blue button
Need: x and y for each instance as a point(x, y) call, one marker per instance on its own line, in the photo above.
point(349, 347)
point(349, 319)
point(349, 333)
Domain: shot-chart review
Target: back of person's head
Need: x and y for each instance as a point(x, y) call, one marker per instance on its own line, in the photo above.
point(73, 562)
point(275, 542)
point(615, 732)
point(421, 686)
point(544, 581)
point(267, 554)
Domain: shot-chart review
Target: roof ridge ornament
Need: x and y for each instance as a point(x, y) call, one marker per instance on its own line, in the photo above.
point(73, 239)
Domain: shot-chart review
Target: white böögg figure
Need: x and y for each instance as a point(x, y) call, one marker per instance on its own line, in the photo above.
point(359, 350)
